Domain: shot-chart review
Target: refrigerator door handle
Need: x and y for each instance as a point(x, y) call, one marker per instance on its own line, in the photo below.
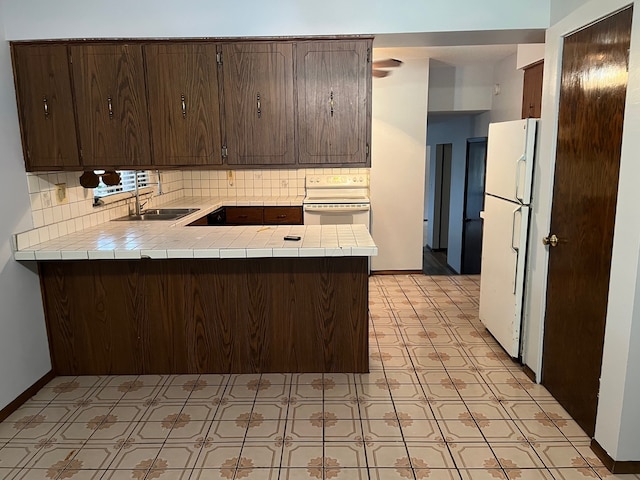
point(519, 163)
point(515, 248)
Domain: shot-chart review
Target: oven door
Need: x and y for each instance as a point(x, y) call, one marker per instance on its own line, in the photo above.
point(336, 214)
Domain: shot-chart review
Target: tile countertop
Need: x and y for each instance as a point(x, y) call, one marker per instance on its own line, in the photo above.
point(173, 239)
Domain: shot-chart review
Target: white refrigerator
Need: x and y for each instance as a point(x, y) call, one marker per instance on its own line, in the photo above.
point(509, 175)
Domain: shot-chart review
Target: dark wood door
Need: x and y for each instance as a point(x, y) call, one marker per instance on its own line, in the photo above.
point(532, 91)
point(258, 86)
point(182, 82)
point(584, 203)
point(473, 203)
point(45, 106)
point(333, 85)
point(111, 104)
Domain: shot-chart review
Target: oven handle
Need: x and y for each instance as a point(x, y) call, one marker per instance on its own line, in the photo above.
point(336, 210)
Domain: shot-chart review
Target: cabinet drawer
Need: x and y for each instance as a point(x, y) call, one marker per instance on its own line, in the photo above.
point(283, 215)
point(244, 216)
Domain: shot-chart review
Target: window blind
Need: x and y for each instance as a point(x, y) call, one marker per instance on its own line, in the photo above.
point(127, 182)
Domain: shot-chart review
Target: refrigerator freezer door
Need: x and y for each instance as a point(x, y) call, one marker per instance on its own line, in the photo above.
point(503, 260)
point(510, 151)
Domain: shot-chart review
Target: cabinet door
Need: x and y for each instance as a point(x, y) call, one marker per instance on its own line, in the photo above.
point(532, 91)
point(182, 82)
point(45, 106)
point(244, 215)
point(283, 215)
point(258, 85)
point(111, 104)
point(334, 87)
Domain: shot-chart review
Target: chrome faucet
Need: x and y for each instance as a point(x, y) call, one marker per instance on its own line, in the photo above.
point(138, 205)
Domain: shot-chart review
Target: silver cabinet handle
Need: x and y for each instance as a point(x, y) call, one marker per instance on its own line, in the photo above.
point(258, 105)
point(184, 106)
point(46, 107)
point(110, 107)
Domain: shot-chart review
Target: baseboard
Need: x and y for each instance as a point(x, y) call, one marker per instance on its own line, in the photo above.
point(26, 395)
point(612, 465)
point(529, 373)
point(396, 272)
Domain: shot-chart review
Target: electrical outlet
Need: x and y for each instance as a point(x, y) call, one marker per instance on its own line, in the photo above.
point(284, 183)
point(61, 193)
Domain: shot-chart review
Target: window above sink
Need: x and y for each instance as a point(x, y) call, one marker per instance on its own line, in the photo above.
point(127, 182)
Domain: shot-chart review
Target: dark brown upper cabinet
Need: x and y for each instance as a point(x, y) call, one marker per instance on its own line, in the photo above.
point(45, 107)
point(333, 87)
point(532, 91)
point(258, 103)
point(111, 105)
point(182, 85)
point(215, 103)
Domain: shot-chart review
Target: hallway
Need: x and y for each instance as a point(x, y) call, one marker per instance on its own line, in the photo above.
point(441, 401)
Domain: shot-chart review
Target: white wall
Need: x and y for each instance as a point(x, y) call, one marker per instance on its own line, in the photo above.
point(618, 419)
point(506, 105)
point(454, 129)
point(24, 353)
point(442, 86)
point(459, 89)
point(399, 129)
point(561, 8)
point(28, 19)
point(528, 54)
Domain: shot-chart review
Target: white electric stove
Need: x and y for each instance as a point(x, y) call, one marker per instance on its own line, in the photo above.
point(337, 199)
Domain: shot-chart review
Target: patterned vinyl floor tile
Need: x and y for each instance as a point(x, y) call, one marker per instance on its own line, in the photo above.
point(442, 401)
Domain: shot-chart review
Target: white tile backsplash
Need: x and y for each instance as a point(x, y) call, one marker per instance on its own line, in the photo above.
point(51, 220)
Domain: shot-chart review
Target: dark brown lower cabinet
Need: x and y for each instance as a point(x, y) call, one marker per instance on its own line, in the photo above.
point(264, 215)
point(207, 315)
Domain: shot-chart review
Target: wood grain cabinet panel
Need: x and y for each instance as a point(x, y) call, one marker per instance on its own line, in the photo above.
point(164, 103)
point(244, 215)
point(207, 315)
point(111, 104)
point(258, 96)
point(182, 85)
point(532, 91)
point(106, 340)
point(283, 215)
point(45, 106)
point(333, 89)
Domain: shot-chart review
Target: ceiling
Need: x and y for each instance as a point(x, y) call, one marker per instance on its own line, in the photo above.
point(452, 56)
point(454, 48)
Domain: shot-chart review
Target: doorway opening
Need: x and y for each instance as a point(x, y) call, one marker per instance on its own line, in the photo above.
point(439, 205)
point(473, 204)
point(434, 258)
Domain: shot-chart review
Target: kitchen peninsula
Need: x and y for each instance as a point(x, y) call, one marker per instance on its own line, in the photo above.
point(163, 297)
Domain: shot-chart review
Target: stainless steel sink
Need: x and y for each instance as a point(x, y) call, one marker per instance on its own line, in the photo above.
point(159, 214)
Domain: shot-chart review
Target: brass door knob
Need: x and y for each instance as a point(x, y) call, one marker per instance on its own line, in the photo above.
point(550, 240)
